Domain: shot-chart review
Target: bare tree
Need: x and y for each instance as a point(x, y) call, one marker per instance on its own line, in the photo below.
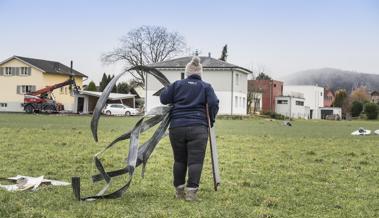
point(360, 94)
point(146, 45)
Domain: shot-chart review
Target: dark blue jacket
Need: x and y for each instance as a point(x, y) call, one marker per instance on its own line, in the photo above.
point(188, 98)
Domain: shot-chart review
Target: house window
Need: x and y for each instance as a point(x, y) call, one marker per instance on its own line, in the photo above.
point(300, 103)
point(61, 90)
point(320, 93)
point(236, 101)
point(3, 105)
point(243, 102)
point(182, 75)
point(237, 79)
point(282, 101)
point(23, 71)
point(25, 89)
point(8, 71)
point(65, 90)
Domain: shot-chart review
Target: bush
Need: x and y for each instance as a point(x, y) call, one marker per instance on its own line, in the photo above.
point(356, 108)
point(230, 117)
point(371, 111)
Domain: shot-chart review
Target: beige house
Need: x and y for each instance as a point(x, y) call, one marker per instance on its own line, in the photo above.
point(19, 75)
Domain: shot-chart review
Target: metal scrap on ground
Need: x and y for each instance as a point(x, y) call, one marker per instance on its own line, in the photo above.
point(30, 183)
point(361, 132)
point(287, 123)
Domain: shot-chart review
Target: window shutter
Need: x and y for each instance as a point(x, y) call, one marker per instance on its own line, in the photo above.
point(18, 89)
point(1, 71)
point(13, 71)
point(17, 71)
point(33, 89)
point(29, 71)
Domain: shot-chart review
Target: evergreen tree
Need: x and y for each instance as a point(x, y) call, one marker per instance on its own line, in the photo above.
point(103, 82)
point(341, 97)
point(123, 87)
point(371, 111)
point(224, 54)
point(91, 86)
point(263, 76)
point(356, 108)
point(342, 100)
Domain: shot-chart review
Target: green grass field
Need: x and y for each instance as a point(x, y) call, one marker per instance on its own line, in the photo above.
point(314, 169)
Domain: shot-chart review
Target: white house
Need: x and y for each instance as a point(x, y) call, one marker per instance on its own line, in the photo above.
point(291, 106)
point(327, 111)
point(229, 82)
point(313, 97)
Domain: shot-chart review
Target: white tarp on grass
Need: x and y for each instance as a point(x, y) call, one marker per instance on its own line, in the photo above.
point(26, 183)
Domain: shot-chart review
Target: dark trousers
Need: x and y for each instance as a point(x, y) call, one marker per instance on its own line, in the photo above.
point(188, 144)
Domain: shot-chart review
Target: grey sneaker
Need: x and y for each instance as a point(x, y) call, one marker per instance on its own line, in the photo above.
point(191, 194)
point(180, 193)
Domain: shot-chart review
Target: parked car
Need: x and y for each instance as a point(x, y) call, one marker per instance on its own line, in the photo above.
point(119, 109)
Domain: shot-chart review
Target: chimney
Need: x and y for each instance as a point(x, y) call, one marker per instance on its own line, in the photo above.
point(57, 67)
point(209, 55)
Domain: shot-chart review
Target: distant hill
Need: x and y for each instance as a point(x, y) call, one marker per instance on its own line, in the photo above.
point(334, 79)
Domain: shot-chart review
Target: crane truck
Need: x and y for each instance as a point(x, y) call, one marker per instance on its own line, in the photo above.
point(42, 100)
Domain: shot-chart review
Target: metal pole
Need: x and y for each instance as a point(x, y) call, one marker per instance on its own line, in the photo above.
point(231, 109)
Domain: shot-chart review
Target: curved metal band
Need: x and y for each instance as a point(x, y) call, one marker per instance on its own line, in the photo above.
point(137, 154)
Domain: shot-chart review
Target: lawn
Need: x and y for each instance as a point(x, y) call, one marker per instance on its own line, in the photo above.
point(313, 169)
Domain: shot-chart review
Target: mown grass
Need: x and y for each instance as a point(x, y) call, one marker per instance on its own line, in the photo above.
point(313, 169)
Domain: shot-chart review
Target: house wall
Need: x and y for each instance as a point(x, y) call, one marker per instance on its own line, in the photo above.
point(62, 95)
point(8, 86)
point(291, 108)
point(375, 97)
point(86, 103)
point(256, 105)
point(328, 98)
point(221, 81)
point(335, 110)
point(270, 90)
point(239, 92)
point(313, 95)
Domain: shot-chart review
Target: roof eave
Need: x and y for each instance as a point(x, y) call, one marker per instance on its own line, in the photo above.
point(241, 69)
point(25, 62)
point(43, 71)
point(65, 74)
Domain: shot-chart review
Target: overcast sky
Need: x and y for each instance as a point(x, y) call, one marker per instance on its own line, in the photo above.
point(281, 36)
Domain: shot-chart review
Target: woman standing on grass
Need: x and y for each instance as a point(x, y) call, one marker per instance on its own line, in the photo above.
point(189, 126)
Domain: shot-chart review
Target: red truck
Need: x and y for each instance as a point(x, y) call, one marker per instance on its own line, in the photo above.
point(42, 99)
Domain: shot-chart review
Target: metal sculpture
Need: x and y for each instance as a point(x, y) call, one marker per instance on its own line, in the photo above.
point(137, 155)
